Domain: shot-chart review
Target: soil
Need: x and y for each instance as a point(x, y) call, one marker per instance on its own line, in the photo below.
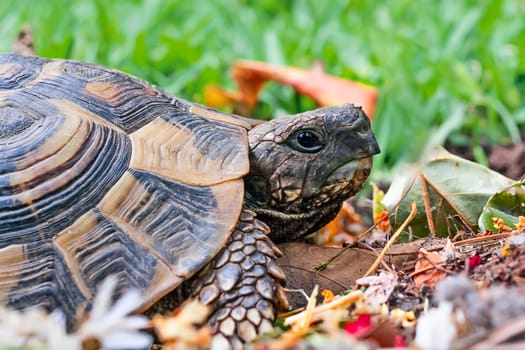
point(508, 160)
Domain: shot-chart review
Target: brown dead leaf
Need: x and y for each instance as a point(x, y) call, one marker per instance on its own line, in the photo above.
point(298, 262)
point(426, 271)
point(299, 259)
point(324, 89)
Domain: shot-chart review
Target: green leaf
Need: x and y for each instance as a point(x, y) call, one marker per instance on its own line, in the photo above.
point(507, 205)
point(457, 189)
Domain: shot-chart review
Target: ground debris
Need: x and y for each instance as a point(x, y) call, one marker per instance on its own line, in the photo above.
point(465, 289)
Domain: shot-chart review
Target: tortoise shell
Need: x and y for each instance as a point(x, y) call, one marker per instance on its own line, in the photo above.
point(102, 173)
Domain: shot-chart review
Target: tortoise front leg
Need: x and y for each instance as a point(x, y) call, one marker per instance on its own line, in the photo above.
point(244, 285)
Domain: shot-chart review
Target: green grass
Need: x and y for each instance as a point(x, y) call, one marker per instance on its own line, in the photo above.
point(445, 69)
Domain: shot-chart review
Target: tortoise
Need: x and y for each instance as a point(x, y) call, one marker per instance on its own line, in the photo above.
point(102, 173)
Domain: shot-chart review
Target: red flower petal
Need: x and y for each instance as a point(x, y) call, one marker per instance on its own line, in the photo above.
point(358, 327)
point(474, 262)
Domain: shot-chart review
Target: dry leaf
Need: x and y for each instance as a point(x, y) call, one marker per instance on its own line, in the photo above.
point(300, 259)
point(379, 287)
point(324, 89)
point(425, 269)
point(179, 331)
point(346, 227)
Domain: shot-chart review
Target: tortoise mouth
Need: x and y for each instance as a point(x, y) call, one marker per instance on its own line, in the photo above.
point(342, 183)
point(348, 171)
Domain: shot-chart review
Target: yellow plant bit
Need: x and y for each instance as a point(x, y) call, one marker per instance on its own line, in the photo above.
point(384, 311)
point(407, 319)
point(411, 216)
point(342, 301)
point(299, 326)
point(397, 315)
point(499, 224)
point(521, 223)
point(377, 201)
point(327, 295)
point(505, 251)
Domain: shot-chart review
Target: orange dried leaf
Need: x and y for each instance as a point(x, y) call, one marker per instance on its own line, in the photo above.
point(426, 272)
point(384, 221)
point(180, 328)
point(216, 96)
point(344, 228)
point(324, 89)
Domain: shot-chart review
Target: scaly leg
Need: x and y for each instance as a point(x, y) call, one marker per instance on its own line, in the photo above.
point(243, 284)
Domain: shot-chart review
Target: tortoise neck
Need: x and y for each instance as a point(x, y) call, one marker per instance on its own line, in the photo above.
point(286, 227)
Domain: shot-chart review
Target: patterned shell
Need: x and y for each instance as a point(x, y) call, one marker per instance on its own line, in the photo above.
point(102, 173)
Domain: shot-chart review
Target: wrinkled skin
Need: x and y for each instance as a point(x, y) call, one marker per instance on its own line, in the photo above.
point(303, 167)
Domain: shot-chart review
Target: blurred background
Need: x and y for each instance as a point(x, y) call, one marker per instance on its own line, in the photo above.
point(448, 72)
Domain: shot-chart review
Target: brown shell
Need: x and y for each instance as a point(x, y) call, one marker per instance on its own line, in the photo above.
point(102, 173)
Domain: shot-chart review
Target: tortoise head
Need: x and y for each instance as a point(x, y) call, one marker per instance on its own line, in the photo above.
point(303, 167)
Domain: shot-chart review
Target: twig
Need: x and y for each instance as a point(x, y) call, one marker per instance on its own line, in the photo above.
point(317, 273)
point(290, 313)
point(483, 238)
point(426, 201)
point(343, 300)
point(411, 216)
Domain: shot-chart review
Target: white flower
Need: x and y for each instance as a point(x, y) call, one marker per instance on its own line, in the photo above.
point(435, 329)
point(34, 328)
point(112, 325)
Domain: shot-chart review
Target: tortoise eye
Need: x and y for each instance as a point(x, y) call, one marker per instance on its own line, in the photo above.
point(306, 141)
